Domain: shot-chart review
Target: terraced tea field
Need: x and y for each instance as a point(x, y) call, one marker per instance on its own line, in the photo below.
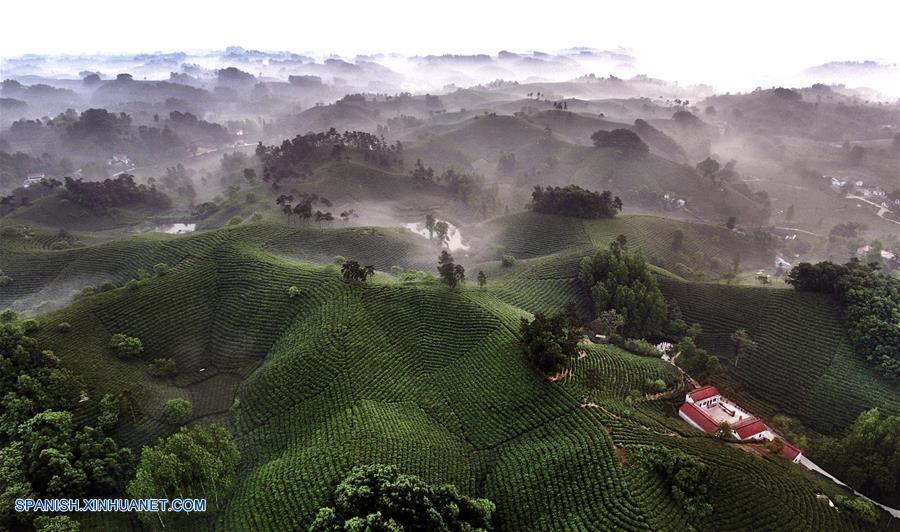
point(803, 364)
point(420, 376)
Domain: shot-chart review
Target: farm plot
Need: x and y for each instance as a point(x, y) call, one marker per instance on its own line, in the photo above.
point(803, 363)
point(607, 372)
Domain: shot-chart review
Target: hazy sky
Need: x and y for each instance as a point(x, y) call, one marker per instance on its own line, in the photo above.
point(686, 38)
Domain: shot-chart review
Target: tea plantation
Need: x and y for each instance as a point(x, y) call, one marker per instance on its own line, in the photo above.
point(329, 375)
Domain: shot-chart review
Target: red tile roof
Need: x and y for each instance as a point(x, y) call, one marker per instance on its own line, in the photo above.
point(704, 392)
point(698, 416)
point(749, 427)
point(790, 451)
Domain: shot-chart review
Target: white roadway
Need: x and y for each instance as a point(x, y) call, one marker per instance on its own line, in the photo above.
point(881, 208)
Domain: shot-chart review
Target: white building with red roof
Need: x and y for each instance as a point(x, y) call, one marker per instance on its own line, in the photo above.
point(750, 429)
point(706, 409)
point(698, 418)
point(792, 453)
point(704, 396)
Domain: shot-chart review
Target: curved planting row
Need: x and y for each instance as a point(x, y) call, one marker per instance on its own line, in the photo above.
point(562, 476)
point(528, 234)
point(802, 364)
point(609, 372)
point(379, 246)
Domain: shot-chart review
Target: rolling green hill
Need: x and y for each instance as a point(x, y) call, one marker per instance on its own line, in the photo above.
point(54, 211)
point(704, 248)
point(542, 157)
point(419, 376)
point(427, 378)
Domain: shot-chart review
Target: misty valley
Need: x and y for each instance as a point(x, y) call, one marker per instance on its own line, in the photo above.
point(497, 291)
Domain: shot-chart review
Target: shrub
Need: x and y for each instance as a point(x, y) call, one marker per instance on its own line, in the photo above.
point(416, 276)
point(655, 385)
point(64, 327)
point(293, 291)
point(9, 315)
point(162, 367)
point(177, 411)
point(160, 269)
point(688, 479)
point(641, 347)
point(548, 342)
point(30, 325)
point(858, 507)
point(110, 406)
point(626, 141)
point(5, 280)
point(352, 271)
point(508, 261)
point(384, 499)
point(125, 346)
point(55, 523)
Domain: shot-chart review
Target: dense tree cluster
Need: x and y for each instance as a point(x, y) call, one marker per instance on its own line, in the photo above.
point(294, 157)
point(177, 411)
point(303, 209)
point(43, 452)
point(688, 478)
point(100, 196)
point(871, 303)
point(421, 175)
point(627, 142)
point(548, 342)
point(99, 126)
point(686, 119)
point(621, 279)
point(125, 347)
point(694, 359)
point(352, 271)
point(866, 457)
point(378, 497)
point(234, 76)
point(575, 201)
point(96, 131)
point(451, 273)
point(469, 189)
point(189, 126)
point(195, 462)
point(15, 166)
